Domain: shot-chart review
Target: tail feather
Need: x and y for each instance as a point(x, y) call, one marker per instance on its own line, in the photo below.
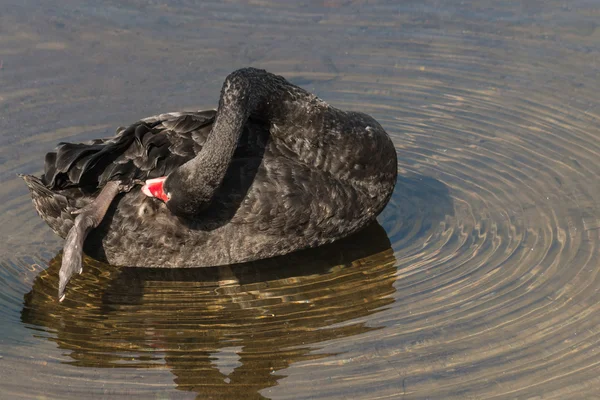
point(54, 208)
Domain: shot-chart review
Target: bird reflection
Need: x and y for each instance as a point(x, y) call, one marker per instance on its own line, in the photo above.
point(231, 332)
point(224, 332)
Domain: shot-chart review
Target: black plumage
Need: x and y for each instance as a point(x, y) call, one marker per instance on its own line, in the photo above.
point(273, 170)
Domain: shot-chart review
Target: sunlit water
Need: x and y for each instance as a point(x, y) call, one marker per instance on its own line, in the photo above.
point(479, 281)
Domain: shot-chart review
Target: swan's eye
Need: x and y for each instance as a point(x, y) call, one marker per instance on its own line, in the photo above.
point(168, 196)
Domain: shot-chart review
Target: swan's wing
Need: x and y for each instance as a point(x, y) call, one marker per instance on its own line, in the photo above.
point(147, 149)
point(287, 196)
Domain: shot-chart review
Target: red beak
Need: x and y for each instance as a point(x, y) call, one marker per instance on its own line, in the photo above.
point(154, 188)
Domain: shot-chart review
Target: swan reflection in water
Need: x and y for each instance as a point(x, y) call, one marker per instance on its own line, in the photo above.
point(231, 331)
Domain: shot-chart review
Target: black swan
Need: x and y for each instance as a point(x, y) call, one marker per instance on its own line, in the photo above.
point(273, 170)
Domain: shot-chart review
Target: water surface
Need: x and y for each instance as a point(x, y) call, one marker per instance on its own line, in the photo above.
point(480, 279)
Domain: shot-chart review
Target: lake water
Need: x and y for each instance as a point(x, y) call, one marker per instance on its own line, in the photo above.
point(480, 280)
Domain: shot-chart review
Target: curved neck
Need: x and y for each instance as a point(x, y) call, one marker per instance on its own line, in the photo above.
point(245, 92)
point(204, 173)
point(210, 165)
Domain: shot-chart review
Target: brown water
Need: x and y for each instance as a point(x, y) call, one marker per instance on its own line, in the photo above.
point(480, 280)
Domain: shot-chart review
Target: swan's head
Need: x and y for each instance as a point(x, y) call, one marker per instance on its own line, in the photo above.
point(176, 194)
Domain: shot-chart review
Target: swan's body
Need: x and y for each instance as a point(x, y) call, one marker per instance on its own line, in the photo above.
point(273, 170)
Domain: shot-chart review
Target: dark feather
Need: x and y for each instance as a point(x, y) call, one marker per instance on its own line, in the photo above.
point(142, 151)
point(303, 173)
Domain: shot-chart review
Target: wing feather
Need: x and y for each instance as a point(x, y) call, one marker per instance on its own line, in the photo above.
point(152, 147)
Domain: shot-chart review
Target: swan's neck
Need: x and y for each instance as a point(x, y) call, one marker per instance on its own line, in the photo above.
point(196, 181)
point(245, 92)
point(209, 167)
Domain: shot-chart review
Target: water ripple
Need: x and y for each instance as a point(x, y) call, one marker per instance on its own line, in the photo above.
point(480, 279)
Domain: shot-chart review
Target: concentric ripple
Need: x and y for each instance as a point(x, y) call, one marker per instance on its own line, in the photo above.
point(480, 279)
